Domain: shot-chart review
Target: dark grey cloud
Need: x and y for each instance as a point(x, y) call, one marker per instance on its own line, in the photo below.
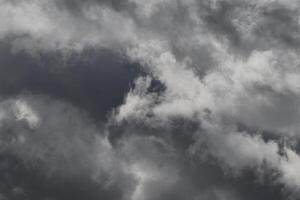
point(76, 7)
point(19, 181)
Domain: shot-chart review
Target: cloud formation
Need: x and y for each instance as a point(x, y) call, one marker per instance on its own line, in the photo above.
point(218, 85)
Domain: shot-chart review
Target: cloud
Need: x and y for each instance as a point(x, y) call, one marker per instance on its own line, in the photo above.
point(61, 143)
point(41, 25)
point(230, 67)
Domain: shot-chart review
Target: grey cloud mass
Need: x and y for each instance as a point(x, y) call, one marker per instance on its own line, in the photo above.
point(149, 99)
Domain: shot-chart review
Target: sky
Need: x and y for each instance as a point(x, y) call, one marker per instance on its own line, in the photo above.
point(149, 100)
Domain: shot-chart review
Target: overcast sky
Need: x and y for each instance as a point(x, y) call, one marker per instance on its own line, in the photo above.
point(149, 100)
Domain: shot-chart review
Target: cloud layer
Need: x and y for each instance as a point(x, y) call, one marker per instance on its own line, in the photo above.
point(211, 113)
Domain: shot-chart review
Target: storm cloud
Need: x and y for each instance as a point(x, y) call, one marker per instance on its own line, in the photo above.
point(149, 99)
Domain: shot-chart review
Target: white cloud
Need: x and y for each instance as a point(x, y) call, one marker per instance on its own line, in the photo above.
point(24, 112)
point(40, 25)
point(239, 151)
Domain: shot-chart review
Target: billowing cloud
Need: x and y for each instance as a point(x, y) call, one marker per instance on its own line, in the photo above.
point(63, 143)
point(218, 84)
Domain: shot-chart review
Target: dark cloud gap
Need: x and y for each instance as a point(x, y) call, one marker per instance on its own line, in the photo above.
point(97, 81)
point(156, 86)
point(75, 6)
